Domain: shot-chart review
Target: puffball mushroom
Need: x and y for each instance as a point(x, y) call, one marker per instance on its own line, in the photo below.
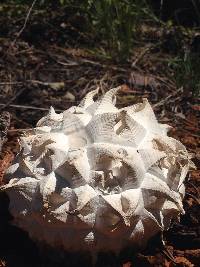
point(97, 177)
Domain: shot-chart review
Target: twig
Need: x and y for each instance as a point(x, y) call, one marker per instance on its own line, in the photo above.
point(163, 101)
point(12, 99)
point(194, 197)
point(168, 254)
point(102, 65)
point(87, 61)
point(25, 22)
point(10, 83)
point(194, 186)
point(30, 107)
point(141, 55)
point(69, 64)
point(42, 83)
point(28, 81)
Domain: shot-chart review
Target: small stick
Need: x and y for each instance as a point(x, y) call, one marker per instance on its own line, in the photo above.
point(163, 101)
point(168, 254)
point(29, 107)
point(141, 55)
point(12, 99)
point(10, 83)
point(194, 197)
point(25, 22)
point(194, 186)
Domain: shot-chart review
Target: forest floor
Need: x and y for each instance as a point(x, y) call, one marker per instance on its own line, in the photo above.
point(34, 77)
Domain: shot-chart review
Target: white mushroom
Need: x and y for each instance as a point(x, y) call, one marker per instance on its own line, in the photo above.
point(96, 177)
